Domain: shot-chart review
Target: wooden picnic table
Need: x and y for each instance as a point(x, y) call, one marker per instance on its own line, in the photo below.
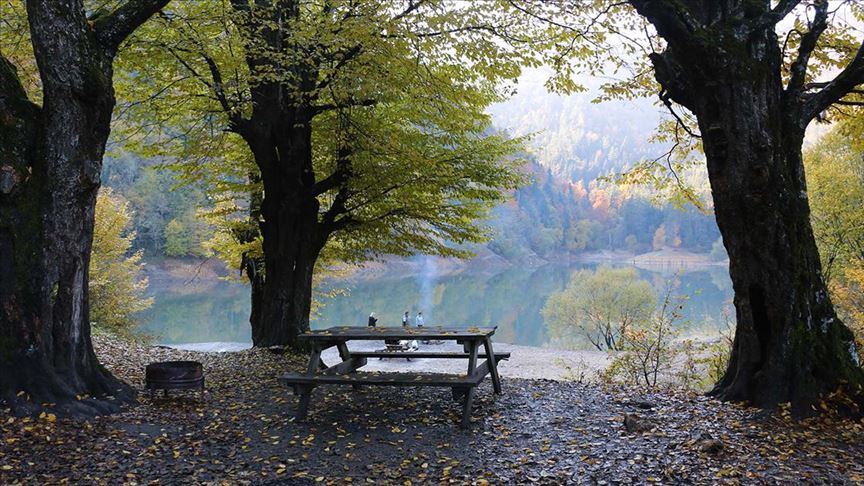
point(346, 372)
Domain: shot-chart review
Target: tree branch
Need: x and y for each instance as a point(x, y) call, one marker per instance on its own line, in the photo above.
point(412, 6)
point(808, 44)
point(237, 121)
point(215, 84)
point(771, 17)
point(112, 29)
point(11, 89)
point(350, 54)
point(845, 82)
point(671, 19)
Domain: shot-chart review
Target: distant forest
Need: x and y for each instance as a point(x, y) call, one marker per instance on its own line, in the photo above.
point(562, 210)
point(550, 216)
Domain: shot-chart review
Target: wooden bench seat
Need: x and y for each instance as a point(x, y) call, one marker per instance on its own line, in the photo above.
point(384, 378)
point(423, 354)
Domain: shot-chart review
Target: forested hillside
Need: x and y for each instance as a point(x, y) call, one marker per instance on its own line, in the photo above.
point(563, 209)
point(552, 216)
point(576, 138)
point(165, 214)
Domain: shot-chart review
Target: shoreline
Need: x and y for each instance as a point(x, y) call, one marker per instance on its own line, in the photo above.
point(527, 362)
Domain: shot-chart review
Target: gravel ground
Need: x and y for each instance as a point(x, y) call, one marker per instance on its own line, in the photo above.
point(538, 431)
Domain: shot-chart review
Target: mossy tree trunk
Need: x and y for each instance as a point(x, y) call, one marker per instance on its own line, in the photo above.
point(50, 164)
point(724, 64)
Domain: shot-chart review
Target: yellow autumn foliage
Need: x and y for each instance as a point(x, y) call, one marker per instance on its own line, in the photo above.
point(117, 288)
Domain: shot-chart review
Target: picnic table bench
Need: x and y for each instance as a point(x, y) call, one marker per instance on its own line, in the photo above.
point(347, 371)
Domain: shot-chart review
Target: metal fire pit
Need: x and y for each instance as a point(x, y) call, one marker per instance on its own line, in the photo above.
point(174, 375)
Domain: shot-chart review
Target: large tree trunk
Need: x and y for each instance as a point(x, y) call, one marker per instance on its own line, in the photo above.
point(789, 344)
point(51, 162)
point(291, 233)
point(279, 135)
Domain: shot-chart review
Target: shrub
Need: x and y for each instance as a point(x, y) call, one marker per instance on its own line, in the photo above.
point(648, 346)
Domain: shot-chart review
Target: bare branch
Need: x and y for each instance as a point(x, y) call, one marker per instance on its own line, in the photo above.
point(769, 19)
point(11, 89)
point(412, 6)
point(232, 112)
point(666, 98)
point(346, 104)
point(671, 19)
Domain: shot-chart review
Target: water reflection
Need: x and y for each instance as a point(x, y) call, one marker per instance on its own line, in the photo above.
point(510, 299)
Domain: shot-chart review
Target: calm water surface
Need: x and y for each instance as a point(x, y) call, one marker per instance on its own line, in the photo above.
point(510, 299)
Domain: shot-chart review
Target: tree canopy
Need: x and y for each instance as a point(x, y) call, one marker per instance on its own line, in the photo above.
point(367, 119)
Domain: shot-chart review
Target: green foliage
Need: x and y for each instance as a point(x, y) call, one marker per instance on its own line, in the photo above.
point(602, 305)
point(16, 47)
point(117, 287)
point(835, 176)
point(177, 239)
point(717, 354)
point(400, 98)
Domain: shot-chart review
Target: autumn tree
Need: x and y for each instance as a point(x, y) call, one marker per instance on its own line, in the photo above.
point(116, 284)
point(604, 306)
point(55, 110)
point(754, 86)
point(742, 81)
point(358, 125)
point(745, 79)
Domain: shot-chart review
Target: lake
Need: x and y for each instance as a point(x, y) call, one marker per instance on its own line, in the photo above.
point(510, 298)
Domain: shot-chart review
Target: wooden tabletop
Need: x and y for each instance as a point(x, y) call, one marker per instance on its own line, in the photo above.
point(346, 333)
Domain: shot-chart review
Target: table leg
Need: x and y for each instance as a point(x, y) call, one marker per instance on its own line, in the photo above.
point(306, 391)
point(466, 408)
point(472, 356)
point(344, 353)
point(303, 404)
point(469, 394)
point(493, 365)
point(314, 360)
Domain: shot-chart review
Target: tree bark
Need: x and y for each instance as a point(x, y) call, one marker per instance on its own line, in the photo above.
point(789, 344)
point(291, 233)
point(49, 176)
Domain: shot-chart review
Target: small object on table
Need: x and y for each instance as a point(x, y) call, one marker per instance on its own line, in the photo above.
point(174, 375)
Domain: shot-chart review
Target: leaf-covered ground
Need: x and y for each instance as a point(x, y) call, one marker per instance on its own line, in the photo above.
point(242, 432)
